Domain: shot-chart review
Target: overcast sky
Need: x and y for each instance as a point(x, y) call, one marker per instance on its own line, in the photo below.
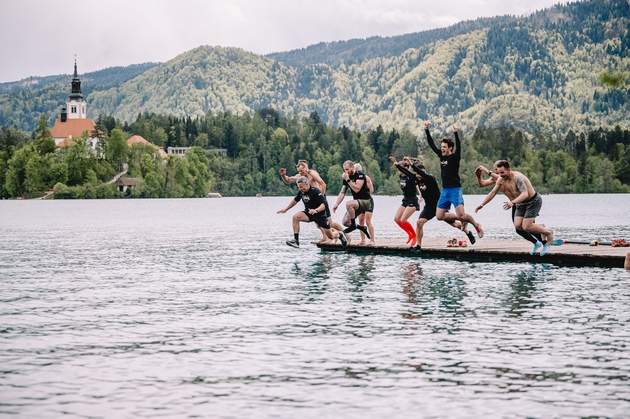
point(40, 37)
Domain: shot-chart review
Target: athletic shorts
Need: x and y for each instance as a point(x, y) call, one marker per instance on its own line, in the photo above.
point(428, 211)
point(365, 205)
point(411, 201)
point(450, 196)
point(320, 219)
point(529, 209)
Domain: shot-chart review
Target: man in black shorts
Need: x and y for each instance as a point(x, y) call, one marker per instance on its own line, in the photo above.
point(314, 211)
point(361, 198)
point(522, 195)
point(315, 180)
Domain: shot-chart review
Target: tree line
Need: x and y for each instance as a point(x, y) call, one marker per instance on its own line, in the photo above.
point(259, 143)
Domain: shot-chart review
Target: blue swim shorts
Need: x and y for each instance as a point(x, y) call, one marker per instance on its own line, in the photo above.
point(450, 196)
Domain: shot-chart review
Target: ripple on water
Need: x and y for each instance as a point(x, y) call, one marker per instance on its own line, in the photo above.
point(202, 316)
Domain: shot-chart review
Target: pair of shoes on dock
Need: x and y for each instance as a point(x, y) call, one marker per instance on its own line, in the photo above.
point(456, 243)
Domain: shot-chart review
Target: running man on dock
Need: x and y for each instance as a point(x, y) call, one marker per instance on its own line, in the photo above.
point(450, 156)
point(315, 181)
point(314, 211)
point(365, 218)
point(524, 201)
point(361, 202)
point(511, 193)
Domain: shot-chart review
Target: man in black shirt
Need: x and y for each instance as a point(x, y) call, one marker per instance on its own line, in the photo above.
point(450, 156)
point(361, 199)
point(314, 211)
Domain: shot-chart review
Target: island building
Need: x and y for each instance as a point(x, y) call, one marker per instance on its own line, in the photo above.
point(73, 121)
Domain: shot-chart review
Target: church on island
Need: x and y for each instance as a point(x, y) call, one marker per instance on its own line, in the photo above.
point(73, 121)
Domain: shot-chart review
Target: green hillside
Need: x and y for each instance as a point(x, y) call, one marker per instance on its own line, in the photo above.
point(541, 74)
point(21, 102)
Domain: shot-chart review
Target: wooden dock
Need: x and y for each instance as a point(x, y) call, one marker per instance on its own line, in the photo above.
point(495, 250)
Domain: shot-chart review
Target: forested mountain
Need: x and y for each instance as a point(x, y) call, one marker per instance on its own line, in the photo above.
point(21, 102)
point(540, 74)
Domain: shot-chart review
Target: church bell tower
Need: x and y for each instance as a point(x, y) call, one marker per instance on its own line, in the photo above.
point(76, 107)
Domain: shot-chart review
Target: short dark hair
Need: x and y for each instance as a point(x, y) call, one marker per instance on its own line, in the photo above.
point(448, 142)
point(502, 163)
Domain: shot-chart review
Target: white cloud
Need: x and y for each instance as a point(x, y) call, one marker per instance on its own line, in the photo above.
point(40, 38)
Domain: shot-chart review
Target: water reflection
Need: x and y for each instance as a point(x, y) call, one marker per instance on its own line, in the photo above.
point(433, 295)
point(522, 288)
point(412, 277)
point(359, 278)
point(316, 278)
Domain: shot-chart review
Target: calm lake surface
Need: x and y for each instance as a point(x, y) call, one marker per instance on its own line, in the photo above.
point(177, 308)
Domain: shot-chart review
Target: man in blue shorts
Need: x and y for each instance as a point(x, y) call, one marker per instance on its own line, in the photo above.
point(451, 195)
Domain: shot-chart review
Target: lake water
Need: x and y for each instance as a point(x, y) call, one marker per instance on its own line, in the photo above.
point(176, 308)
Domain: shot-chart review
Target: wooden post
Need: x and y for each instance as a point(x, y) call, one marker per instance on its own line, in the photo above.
point(627, 262)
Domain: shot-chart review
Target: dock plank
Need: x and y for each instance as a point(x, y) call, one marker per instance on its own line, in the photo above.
point(496, 250)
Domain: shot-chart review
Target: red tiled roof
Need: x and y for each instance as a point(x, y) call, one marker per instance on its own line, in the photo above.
point(72, 128)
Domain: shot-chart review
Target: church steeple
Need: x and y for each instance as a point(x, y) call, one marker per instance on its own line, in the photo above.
point(76, 106)
point(76, 84)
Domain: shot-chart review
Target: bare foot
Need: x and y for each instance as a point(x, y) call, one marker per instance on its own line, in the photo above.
point(372, 243)
point(362, 243)
point(479, 230)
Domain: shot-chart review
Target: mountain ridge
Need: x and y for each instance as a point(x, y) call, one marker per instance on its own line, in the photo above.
point(538, 73)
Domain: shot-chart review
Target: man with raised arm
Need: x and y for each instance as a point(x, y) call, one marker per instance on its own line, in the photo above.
point(314, 211)
point(450, 156)
point(536, 239)
point(524, 201)
point(315, 181)
point(430, 192)
point(361, 199)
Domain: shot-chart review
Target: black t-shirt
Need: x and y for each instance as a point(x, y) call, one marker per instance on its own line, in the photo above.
point(449, 165)
point(364, 192)
point(431, 191)
point(312, 198)
point(408, 186)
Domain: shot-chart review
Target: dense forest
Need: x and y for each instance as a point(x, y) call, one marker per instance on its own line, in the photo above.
point(258, 144)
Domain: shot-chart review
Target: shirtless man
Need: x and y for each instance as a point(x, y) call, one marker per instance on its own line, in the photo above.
point(521, 195)
point(536, 239)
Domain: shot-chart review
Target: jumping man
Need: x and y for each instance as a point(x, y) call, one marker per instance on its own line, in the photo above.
point(450, 156)
point(361, 199)
point(314, 211)
point(430, 192)
point(522, 196)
